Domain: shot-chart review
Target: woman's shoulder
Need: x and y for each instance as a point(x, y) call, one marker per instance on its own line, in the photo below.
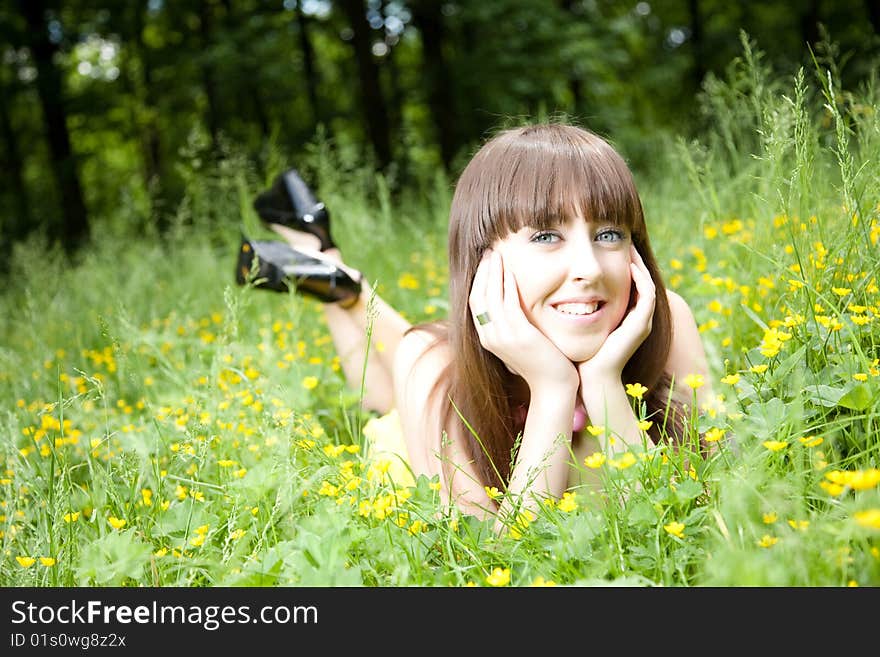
point(679, 308)
point(421, 357)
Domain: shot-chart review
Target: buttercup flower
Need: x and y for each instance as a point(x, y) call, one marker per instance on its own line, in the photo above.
point(869, 518)
point(636, 390)
point(694, 381)
point(675, 528)
point(498, 577)
point(116, 523)
point(767, 541)
point(775, 445)
point(568, 503)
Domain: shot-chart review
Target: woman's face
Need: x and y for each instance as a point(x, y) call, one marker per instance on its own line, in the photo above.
point(574, 281)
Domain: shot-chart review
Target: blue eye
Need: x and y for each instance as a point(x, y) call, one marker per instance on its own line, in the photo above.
point(610, 235)
point(544, 237)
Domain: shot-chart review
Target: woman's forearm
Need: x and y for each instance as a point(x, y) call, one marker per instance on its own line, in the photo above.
point(542, 460)
point(608, 406)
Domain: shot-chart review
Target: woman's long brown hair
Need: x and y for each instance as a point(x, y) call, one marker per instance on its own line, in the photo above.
point(535, 175)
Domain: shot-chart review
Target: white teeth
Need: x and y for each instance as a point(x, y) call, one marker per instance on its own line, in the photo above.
point(577, 308)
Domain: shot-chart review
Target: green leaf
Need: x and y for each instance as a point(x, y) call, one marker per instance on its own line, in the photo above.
point(857, 398)
point(112, 559)
point(823, 395)
point(688, 490)
point(642, 513)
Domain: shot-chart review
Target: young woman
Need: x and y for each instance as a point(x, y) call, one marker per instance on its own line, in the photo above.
point(556, 305)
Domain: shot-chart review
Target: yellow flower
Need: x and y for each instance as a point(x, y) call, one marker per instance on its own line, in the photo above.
point(71, 517)
point(769, 518)
point(636, 390)
point(116, 523)
point(492, 492)
point(47, 561)
point(811, 441)
point(694, 381)
point(841, 291)
point(713, 435)
point(864, 479)
point(799, 524)
point(775, 445)
point(594, 460)
point(675, 528)
point(523, 520)
point(832, 489)
point(568, 503)
point(861, 376)
point(869, 518)
point(767, 541)
point(310, 382)
point(498, 577)
point(857, 480)
point(25, 562)
point(730, 379)
point(540, 581)
point(758, 369)
point(595, 431)
point(644, 425)
point(623, 462)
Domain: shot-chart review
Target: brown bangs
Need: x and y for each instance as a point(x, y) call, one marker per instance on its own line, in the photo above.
point(540, 175)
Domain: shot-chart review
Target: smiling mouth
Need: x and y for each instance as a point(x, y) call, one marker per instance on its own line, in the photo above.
point(579, 309)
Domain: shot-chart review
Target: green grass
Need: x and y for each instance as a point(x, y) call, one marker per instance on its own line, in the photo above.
point(141, 385)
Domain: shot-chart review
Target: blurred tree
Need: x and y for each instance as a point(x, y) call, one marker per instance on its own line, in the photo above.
point(18, 221)
point(373, 106)
point(312, 79)
point(114, 106)
point(428, 19)
point(74, 229)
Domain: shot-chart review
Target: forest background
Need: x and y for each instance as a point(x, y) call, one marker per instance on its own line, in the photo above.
point(102, 102)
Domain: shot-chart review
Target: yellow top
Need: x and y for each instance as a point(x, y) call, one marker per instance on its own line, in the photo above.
point(385, 443)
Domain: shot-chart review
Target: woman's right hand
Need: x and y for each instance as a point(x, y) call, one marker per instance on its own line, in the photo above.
point(509, 334)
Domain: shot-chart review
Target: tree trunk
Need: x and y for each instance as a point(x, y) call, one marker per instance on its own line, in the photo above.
point(374, 109)
point(873, 8)
point(13, 166)
point(151, 147)
point(311, 73)
point(428, 19)
point(208, 74)
point(697, 44)
point(75, 229)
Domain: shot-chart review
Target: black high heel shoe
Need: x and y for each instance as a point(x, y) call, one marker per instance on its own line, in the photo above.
point(291, 203)
point(279, 265)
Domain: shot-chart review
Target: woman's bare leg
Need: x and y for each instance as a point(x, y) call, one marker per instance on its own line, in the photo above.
point(348, 328)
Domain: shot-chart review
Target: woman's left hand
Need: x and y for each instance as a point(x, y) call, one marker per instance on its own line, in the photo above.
point(622, 342)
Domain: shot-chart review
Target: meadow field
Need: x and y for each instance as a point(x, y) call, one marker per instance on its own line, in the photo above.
point(164, 427)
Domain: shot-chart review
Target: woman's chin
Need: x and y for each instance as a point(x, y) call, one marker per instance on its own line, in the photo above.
point(580, 353)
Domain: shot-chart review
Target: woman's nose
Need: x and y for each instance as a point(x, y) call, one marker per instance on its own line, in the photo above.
point(584, 267)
